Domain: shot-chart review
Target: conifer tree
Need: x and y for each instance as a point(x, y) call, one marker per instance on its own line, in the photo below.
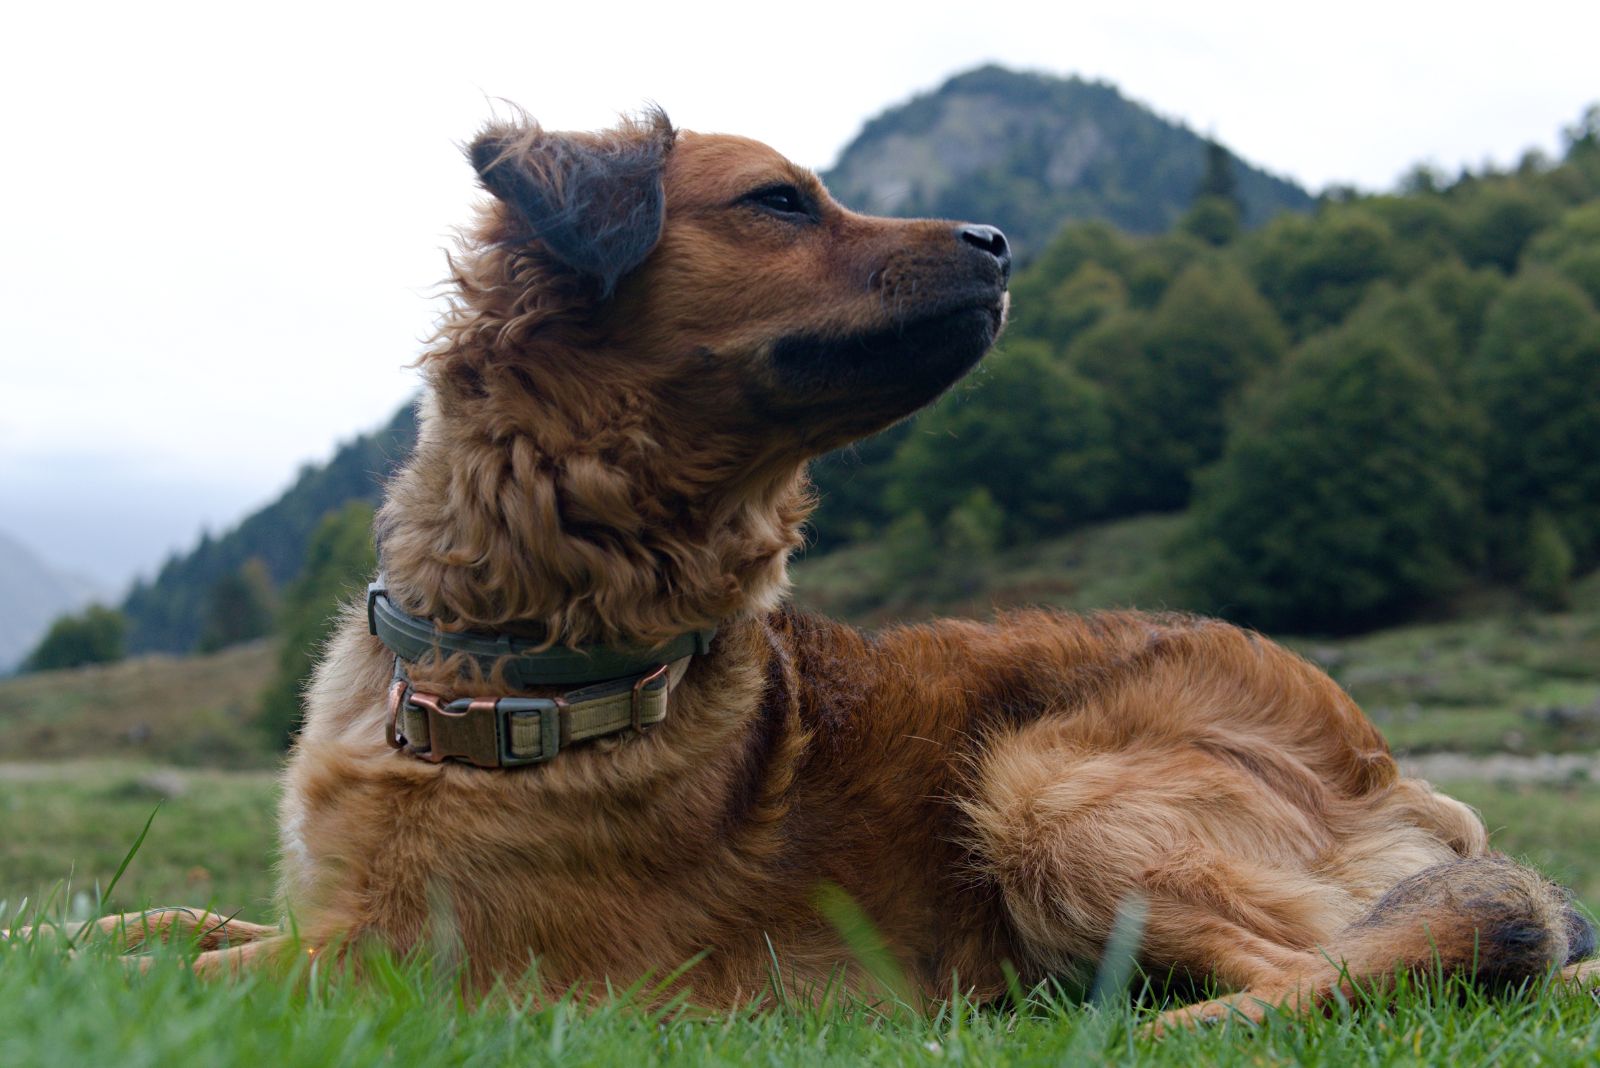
point(340, 561)
point(238, 607)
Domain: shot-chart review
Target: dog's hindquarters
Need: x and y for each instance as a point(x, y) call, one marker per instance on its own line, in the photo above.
point(1237, 792)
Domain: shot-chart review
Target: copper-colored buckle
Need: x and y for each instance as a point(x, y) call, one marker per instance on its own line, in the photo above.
point(470, 733)
point(391, 724)
point(633, 700)
point(476, 730)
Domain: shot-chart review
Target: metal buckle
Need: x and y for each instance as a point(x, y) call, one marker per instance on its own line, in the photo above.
point(391, 722)
point(477, 730)
point(465, 729)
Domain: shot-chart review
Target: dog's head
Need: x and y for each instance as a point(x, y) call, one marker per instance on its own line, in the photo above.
point(726, 281)
point(652, 333)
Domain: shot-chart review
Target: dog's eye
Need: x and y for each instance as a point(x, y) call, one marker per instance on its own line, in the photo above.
point(780, 200)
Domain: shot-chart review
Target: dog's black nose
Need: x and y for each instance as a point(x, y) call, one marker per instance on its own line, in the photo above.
point(990, 240)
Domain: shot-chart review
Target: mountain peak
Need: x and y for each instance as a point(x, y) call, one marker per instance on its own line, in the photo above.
point(1031, 152)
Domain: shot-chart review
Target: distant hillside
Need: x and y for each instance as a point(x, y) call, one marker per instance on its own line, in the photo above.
point(194, 710)
point(1030, 152)
point(165, 615)
point(34, 594)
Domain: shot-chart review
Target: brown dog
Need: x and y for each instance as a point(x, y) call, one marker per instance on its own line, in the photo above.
point(654, 332)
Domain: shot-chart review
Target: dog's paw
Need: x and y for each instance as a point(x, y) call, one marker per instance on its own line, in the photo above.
point(1241, 1008)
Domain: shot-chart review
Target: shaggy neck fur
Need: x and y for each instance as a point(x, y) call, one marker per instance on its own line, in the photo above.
point(553, 491)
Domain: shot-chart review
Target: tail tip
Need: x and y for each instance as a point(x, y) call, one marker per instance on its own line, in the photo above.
point(1580, 936)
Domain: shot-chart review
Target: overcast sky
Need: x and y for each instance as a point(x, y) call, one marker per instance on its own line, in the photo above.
point(221, 222)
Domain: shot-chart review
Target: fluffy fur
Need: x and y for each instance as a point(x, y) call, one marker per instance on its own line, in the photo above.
point(653, 332)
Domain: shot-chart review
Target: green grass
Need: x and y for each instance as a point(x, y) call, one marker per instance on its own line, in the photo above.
point(1485, 684)
point(90, 1009)
point(1112, 565)
point(68, 826)
point(84, 816)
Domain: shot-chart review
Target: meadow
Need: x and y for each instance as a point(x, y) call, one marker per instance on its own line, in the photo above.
point(71, 824)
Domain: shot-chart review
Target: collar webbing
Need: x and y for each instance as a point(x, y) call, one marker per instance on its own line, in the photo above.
point(510, 732)
point(525, 666)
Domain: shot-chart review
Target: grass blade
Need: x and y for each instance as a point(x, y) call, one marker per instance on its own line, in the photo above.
point(111, 887)
point(866, 944)
point(778, 990)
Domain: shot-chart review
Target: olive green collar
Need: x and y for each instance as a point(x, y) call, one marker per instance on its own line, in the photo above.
point(529, 667)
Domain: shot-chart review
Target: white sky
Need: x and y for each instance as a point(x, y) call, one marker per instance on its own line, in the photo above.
point(219, 223)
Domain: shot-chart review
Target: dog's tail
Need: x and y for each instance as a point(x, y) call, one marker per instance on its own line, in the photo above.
point(1487, 918)
point(1484, 918)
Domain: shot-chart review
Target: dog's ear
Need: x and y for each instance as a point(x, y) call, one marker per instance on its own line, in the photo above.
point(594, 200)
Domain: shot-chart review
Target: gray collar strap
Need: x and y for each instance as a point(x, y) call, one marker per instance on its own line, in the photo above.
point(411, 638)
point(626, 690)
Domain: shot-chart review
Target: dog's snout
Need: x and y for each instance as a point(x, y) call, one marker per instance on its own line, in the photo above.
point(989, 239)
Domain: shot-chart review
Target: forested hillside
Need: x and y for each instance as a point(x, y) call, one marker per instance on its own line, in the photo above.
point(1030, 153)
point(1365, 409)
point(170, 613)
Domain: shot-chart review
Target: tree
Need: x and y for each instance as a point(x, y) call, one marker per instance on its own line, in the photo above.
point(1412, 318)
point(1463, 295)
point(973, 529)
point(1425, 229)
point(1583, 136)
point(1315, 271)
point(1536, 374)
point(967, 543)
point(238, 607)
point(1219, 181)
point(1026, 429)
point(1500, 219)
point(168, 614)
point(1347, 495)
point(1084, 298)
point(93, 636)
point(911, 553)
point(1168, 379)
point(1078, 246)
point(1572, 249)
point(339, 562)
point(850, 485)
point(1547, 568)
point(1423, 179)
point(1212, 220)
point(1216, 213)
